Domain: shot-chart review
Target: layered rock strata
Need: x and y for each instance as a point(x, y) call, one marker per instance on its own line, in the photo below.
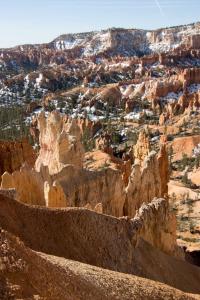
point(60, 178)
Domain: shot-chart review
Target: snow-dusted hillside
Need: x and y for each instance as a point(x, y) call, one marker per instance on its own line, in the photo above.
point(129, 41)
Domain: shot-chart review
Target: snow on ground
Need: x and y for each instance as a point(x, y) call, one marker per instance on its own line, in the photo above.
point(194, 88)
point(158, 41)
point(171, 97)
point(133, 116)
point(38, 80)
point(163, 46)
point(196, 151)
point(91, 45)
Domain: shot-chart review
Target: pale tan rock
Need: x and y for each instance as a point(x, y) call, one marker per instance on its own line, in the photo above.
point(7, 181)
point(147, 180)
point(194, 176)
point(28, 185)
point(184, 145)
point(98, 208)
point(104, 181)
point(59, 143)
point(54, 195)
point(164, 237)
point(142, 148)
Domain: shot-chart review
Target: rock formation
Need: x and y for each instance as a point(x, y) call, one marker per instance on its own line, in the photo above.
point(184, 145)
point(43, 276)
point(142, 148)
point(73, 211)
point(83, 225)
point(54, 195)
point(59, 143)
point(60, 179)
point(14, 154)
point(147, 180)
point(109, 95)
point(27, 183)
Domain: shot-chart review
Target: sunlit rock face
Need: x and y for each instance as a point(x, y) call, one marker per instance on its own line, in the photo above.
point(59, 143)
point(14, 154)
point(61, 179)
point(149, 176)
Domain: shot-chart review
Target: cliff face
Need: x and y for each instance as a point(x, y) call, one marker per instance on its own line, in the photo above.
point(27, 183)
point(117, 242)
point(60, 143)
point(142, 148)
point(14, 154)
point(131, 41)
point(149, 175)
point(164, 237)
point(147, 181)
point(173, 84)
point(60, 178)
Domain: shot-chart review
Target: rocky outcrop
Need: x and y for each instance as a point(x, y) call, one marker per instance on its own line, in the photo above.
point(60, 178)
point(190, 76)
point(89, 127)
point(157, 212)
point(160, 88)
point(14, 154)
point(54, 195)
point(184, 145)
point(104, 143)
point(103, 186)
point(111, 96)
point(142, 148)
point(82, 225)
point(147, 180)
point(59, 143)
point(157, 91)
point(25, 271)
point(28, 185)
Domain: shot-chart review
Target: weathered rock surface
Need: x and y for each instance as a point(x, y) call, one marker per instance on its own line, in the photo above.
point(14, 154)
point(102, 212)
point(28, 185)
point(104, 241)
point(61, 179)
point(147, 180)
point(26, 273)
point(142, 148)
point(184, 145)
point(59, 143)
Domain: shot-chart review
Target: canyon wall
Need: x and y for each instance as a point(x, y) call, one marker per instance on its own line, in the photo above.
point(14, 154)
point(112, 249)
point(60, 179)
